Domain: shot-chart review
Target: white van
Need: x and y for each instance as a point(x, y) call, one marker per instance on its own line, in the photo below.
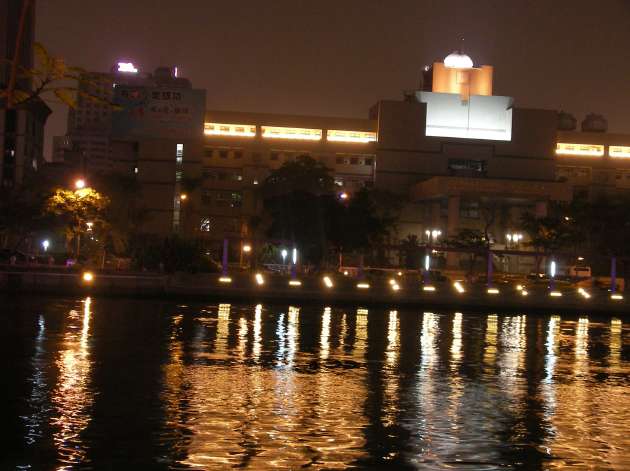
point(579, 272)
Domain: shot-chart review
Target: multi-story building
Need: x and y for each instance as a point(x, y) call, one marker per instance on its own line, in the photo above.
point(241, 149)
point(459, 155)
point(157, 136)
point(90, 122)
point(22, 126)
point(593, 162)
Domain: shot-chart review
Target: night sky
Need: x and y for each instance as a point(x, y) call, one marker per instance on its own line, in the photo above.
point(338, 57)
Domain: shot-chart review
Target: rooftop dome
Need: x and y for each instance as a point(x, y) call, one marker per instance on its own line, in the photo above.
point(458, 60)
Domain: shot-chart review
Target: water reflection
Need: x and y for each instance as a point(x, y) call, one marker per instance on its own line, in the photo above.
point(72, 397)
point(267, 387)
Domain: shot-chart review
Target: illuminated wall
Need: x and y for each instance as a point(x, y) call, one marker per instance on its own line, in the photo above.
point(619, 151)
point(278, 132)
point(350, 136)
point(591, 150)
point(464, 82)
point(479, 117)
point(225, 129)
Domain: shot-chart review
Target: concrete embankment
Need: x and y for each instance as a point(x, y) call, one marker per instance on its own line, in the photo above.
point(344, 290)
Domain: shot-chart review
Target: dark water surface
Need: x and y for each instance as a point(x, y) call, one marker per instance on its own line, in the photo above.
point(121, 384)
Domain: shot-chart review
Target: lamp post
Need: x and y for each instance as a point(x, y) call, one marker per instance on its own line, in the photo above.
point(45, 245)
point(245, 250)
point(284, 254)
point(294, 264)
point(432, 236)
point(552, 274)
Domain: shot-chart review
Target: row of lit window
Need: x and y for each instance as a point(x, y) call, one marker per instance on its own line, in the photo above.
point(593, 150)
point(279, 132)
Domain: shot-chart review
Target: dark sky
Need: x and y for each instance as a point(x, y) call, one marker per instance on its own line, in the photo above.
point(338, 57)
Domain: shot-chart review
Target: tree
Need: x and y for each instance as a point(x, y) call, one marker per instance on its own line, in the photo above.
point(474, 242)
point(297, 198)
point(366, 221)
point(75, 210)
point(21, 211)
point(125, 218)
point(51, 76)
point(550, 234)
point(410, 250)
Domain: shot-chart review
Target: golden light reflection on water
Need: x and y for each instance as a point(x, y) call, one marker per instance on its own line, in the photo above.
point(490, 347)
point(456, 343)
point(591, 429)
point(360, 333)
point(324, 338)
point(281, 417)
point(616, 330)
point(286, 388)
point(392, 352)
point(257, 331)
point(72, 397)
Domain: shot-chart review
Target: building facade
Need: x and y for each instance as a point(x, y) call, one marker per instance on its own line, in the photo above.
point(22, 126)
point(458, 155)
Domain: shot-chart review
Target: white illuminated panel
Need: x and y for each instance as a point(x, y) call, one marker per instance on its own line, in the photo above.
point(591, 150)
point(276, 132)
point(479, 117)
point(127, 67)
point(223, 129)
point(350, 136)
point(619, 151)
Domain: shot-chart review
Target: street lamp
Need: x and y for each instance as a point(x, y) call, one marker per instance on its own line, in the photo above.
point(183, 197)
point(89, 225)
point(433, 234)
point(45, 244)
point(79, 184)
point(247, 248)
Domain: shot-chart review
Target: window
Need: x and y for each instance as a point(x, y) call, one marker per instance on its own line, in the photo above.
point(594, 150)
point(223, 154)
point(469, 209)
point(274, 156)
point(206, 197)
point(467, 167)
point(339, 160)
point(350, 136)
point(238, 154)
point(354, 160)
point(278, 132)
point(208, 152)
point(223, 129)
point(369, 162)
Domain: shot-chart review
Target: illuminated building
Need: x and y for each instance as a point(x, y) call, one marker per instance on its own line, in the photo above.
point(452, 149)
point(241, 149)
point(593, 163)
point(153, 133)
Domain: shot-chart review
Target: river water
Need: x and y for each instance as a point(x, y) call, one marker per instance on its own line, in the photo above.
point(129, 384)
